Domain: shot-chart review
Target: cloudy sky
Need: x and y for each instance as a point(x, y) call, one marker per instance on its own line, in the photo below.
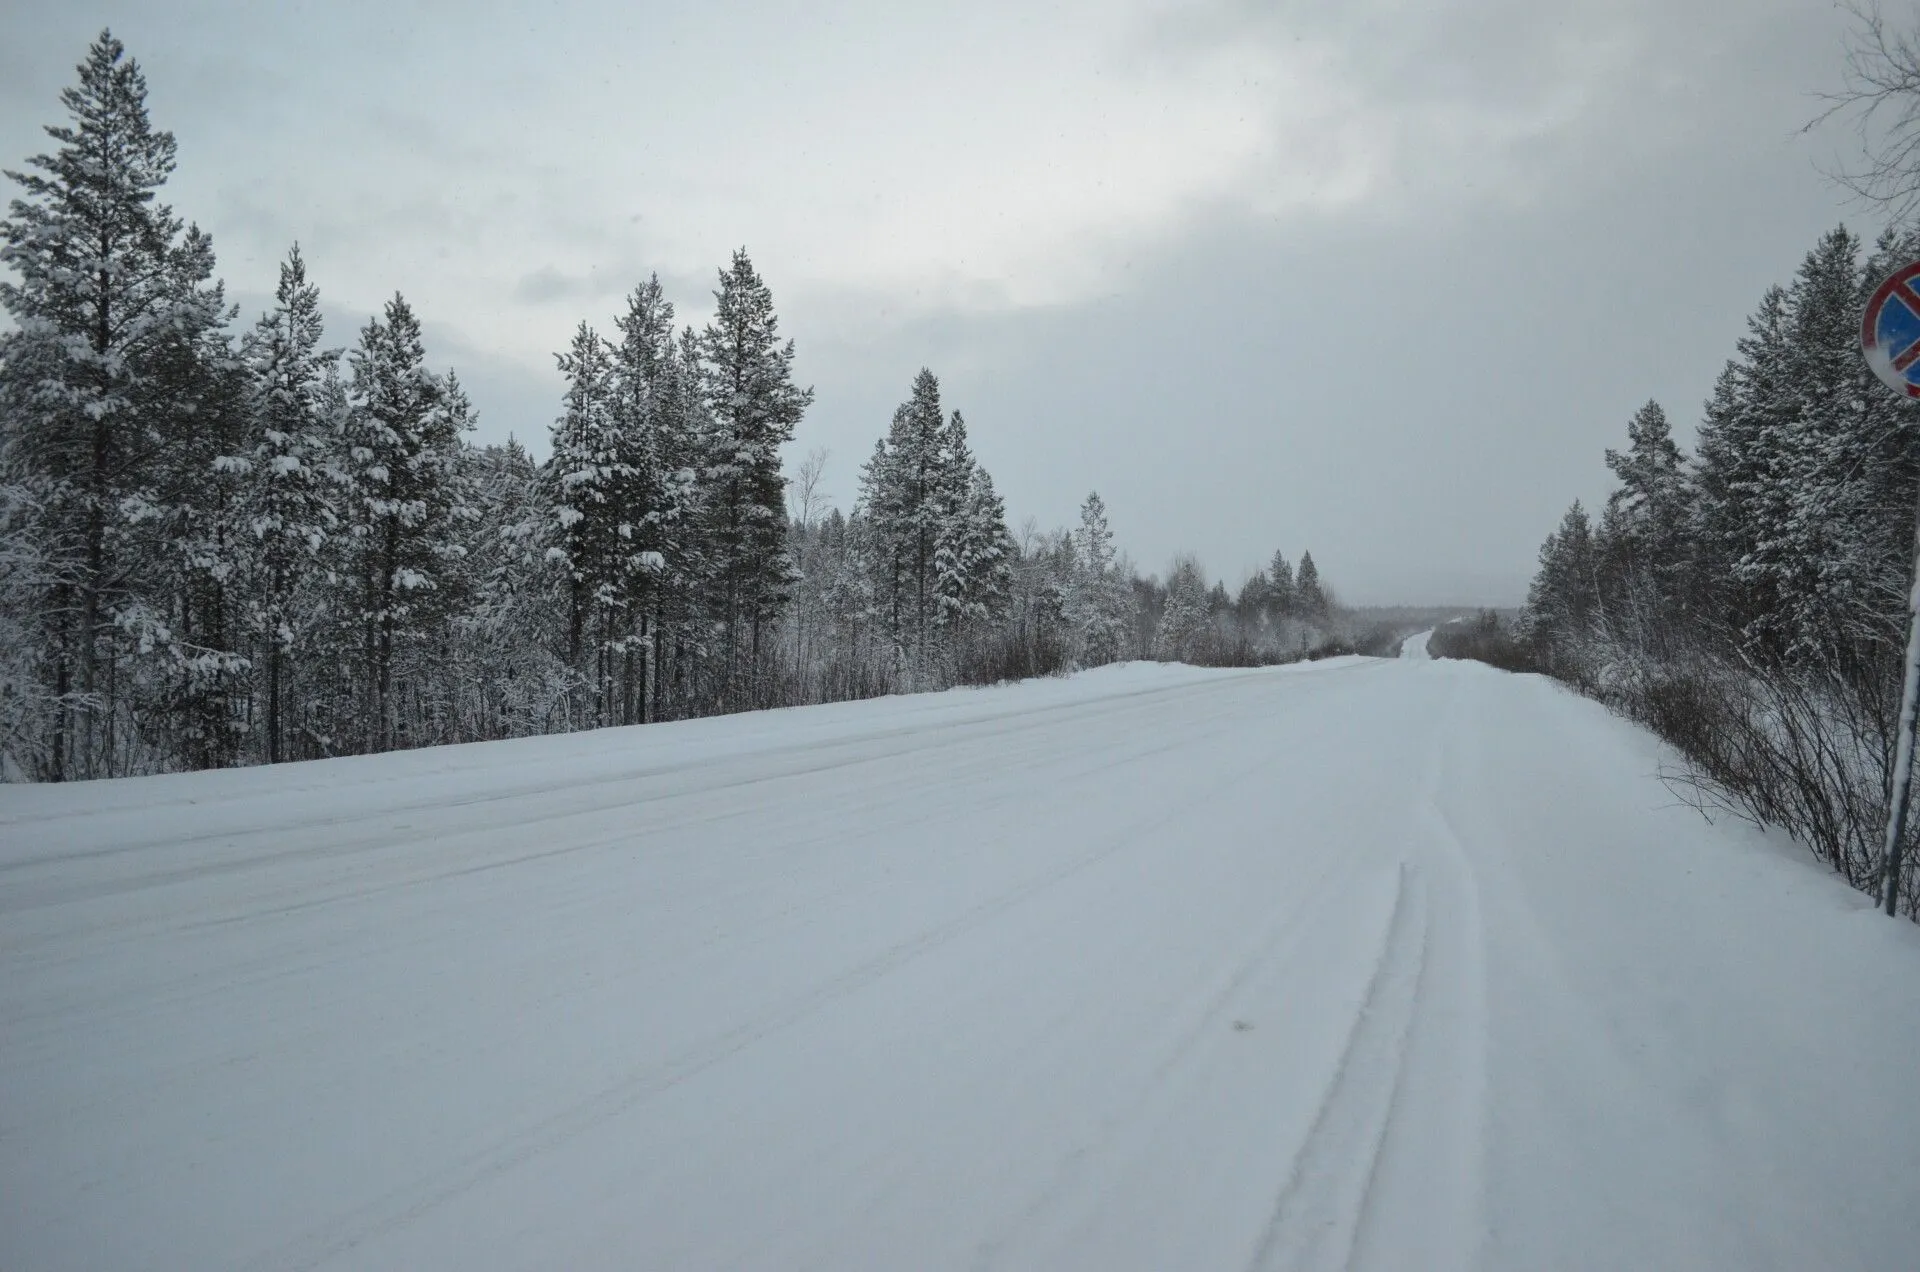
point(1372, 277)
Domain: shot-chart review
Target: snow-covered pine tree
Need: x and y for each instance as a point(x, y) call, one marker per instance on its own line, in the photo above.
point(658, 508)
point(293, 505)
point(1737, 468)
point(1798, 558)
point(753, 405)
point(402, 450)
point(905, 492)
point(1642, 540)
point(99, 305)
point(973, 548)
point(953, 484)
point(1184, 619)
point(590, 482)
point(194, 510)
point(1310, 598)
point(511, 678)
point(1282, 597)
point(1563, 600)
point(1098, 599)
point(975, 571)
point(684, 611)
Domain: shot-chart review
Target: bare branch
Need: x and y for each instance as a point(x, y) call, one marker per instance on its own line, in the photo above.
point(1881, 96)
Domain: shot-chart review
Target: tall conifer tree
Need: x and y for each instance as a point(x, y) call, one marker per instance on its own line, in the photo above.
point(753, 406)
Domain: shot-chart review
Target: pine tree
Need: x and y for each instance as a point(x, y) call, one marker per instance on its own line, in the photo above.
point(972, 547)
point(293, 508)
point(658, 505)
point(683, 604)
point(1799, 557)
point(1644, 526)
point(1282, 594)
point(1098, 600)
point(906, 492)
point(519, 683)
point(1310, 599)
point(1250, 606)
point(1735, 471)
point(754, 406)
point(1563, 600)
point(974, 571)
point(589, 478)
point(402, 458)
point(1184, 617)
point(101, 306)
point(195, 505)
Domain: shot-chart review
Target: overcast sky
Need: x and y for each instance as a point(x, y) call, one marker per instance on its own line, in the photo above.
point(1371, 277)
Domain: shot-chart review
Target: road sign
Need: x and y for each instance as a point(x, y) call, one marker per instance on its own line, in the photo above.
point(1890, 337)
point(1890, 331)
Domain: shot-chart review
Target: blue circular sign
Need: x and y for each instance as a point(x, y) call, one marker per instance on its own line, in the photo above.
point(1890, 332)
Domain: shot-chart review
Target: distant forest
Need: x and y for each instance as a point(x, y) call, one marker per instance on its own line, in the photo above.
point(1749, 601)
point(227, 545)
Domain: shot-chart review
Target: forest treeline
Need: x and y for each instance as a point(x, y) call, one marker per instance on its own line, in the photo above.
point(226, 544)
point(1749, 601)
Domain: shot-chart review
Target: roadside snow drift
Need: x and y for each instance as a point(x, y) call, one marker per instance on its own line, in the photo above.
point(1388, 965)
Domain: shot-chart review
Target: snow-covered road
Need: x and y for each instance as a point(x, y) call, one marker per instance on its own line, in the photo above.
point(1380, 964)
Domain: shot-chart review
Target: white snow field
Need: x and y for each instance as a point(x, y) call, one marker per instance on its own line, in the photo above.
point(1382, 964)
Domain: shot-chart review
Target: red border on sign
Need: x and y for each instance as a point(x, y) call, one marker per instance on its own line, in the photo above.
point(1899, 284)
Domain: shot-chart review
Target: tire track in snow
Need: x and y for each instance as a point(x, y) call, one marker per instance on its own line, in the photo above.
point(1289, 925)
point(1409, 1024)
point(1432, 1168)
point(1316, 1221)
point(611, 791)
point(345, 1233)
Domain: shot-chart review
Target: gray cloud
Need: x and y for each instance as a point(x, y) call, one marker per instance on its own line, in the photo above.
point(1379, 278)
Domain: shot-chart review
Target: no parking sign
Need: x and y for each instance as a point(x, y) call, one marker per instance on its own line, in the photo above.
point(1890, 332)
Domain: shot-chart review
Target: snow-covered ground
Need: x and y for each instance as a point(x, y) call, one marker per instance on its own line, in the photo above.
point(1414, 648)
point(1383, 964)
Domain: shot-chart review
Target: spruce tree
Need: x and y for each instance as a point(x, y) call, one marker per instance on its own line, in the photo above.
point(402, 446)
point(658, 505)
point(293, 508)
point(1310, 600)
point(753, 405)
point(974, 559)
point(1281, 592)
point(100, 306)
point(906, 492)
point(1802, 557)
point(1250, 606)
point(1183, 620)
point(1738, 469)
point(972, 548)
point(1098, 600)
point(1563, 600)
point(195, 505)
point(589, 476)
point(1644, 525)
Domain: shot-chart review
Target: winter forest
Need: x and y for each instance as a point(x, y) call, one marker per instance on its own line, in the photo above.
point(1749, 601)
point(225, 542)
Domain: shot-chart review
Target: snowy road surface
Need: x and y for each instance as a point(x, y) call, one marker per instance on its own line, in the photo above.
point(1375, 964)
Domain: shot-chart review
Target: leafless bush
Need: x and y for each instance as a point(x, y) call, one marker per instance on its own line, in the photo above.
point(1808, 748)
point(1017, 652)
point(1485, 638)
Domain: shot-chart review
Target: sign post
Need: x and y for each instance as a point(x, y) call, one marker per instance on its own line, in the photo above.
point(1890, 338)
